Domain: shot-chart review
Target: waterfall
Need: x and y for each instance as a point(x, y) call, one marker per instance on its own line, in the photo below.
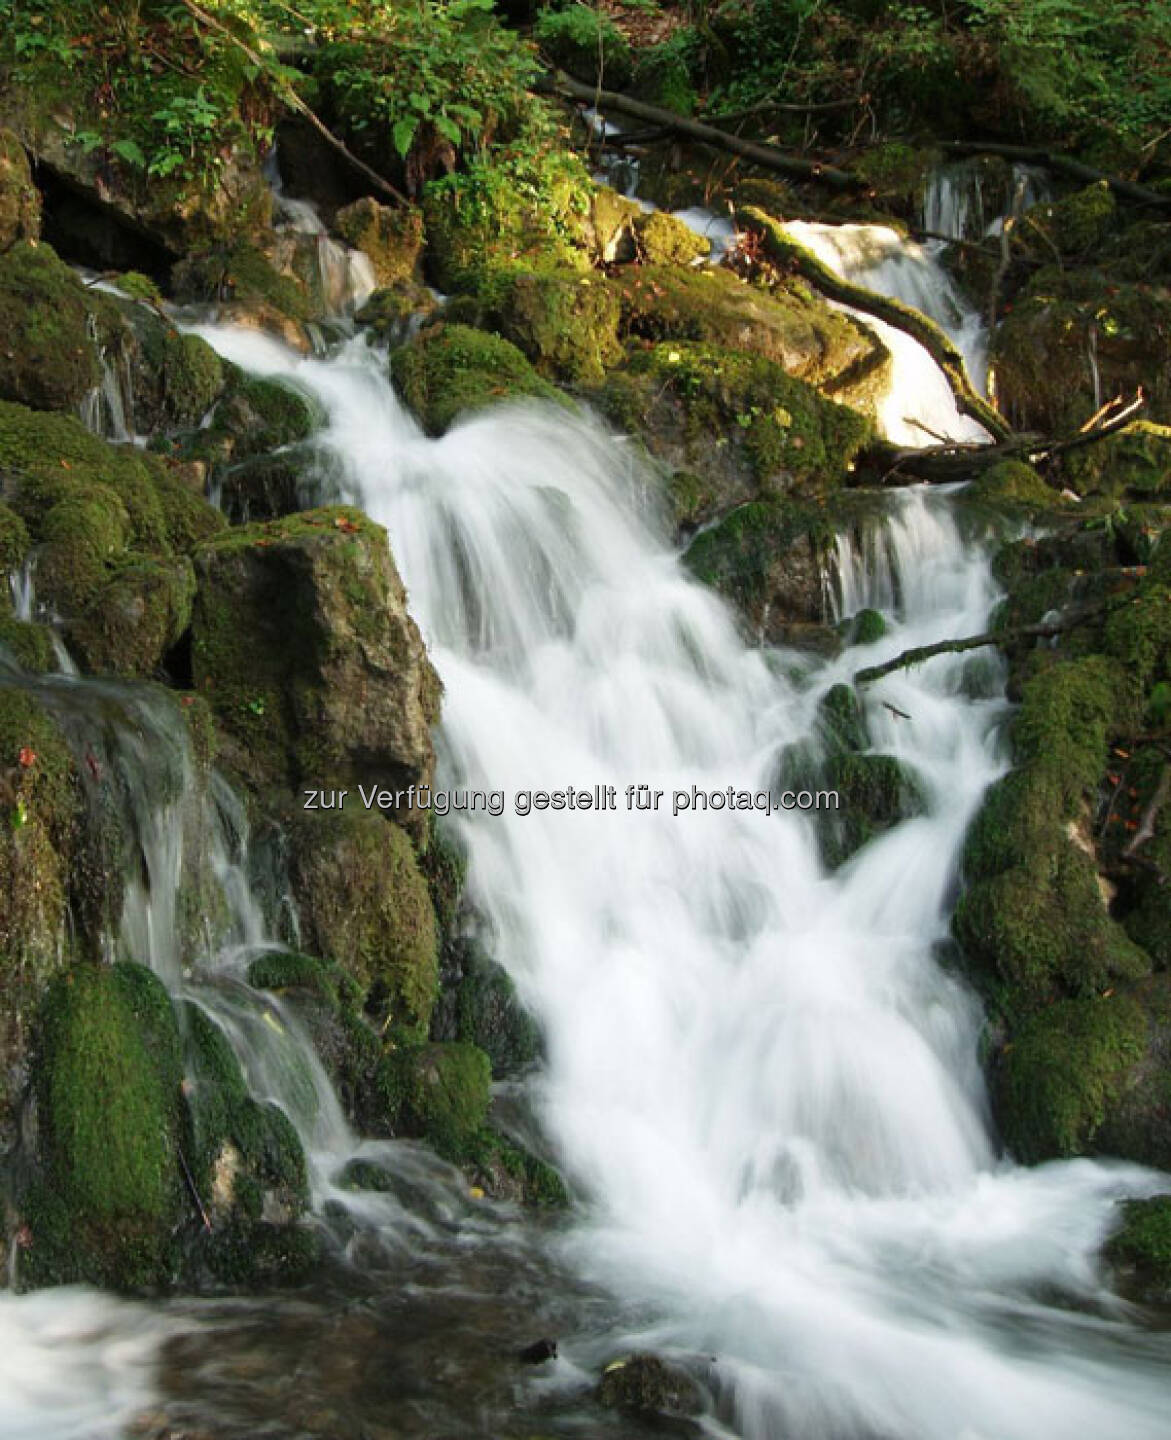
point(757, 1072)
point(346, 276)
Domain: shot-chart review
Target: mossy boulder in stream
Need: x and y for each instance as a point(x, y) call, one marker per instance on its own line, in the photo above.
point(53, 330)
point(1140, 1250)
point(451, 370)
point(437, 1093)
point(109, 1075)
point(302, 644)
point(665, 240)
point(392, 240)
point(364, 904)
point(564, 320)
point(247, 1165)
point(750, 430)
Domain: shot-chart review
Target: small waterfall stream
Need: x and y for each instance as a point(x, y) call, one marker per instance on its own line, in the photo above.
point(760, 1077)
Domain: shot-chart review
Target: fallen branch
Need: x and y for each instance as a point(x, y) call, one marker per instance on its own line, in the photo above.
point(294, 102)
point(1031, 155)
point(767, 156)
point(1045, 631)
point(789, 253)
point(960, 460)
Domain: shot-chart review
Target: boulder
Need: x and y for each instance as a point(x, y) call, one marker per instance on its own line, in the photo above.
point(662, 239)
point(449, 370)
point(364, 903)
point(303, 645)
point(20, 203)
point(645, 1385)
point(392, 240)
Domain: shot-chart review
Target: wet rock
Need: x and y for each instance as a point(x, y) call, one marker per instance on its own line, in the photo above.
point(1140, 1250)
point(109, 1193)
point(611, 226)
point(452, 369)
point(480, 1005)
point(364, 903)
point(303, 645)
point(663, 239)
point(645, 1385)
point(20, 202)
point(392, 240)
point(538, 1352)
point(566, 322)
point(789, 325)
point(393, 313)
point(437, 1093)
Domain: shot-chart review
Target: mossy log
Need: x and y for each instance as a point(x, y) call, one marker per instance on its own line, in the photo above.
point(767, 156)
point(793, 256)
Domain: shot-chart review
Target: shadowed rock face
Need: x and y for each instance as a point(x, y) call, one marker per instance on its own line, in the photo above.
point(303, 645)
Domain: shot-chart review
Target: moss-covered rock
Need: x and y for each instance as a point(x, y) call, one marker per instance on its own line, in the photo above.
point(767, 558)
point(790, 325)
point(245, 1158)
point(437, 1093)
point(20, 203)
point(109, 1110)
point(242, 277)
point(392, 240)
point(1132, 465)
point(1074, 336)
point(260, 415)
point(365, 904)
point(302, 644)
point(874, 792)
point(136, 616)
point(1064, 1071)
point(478, 1004)
point(866, 628)
point(14, 539)
point(665, 240)
point(29, 645)
point(1073, 227)
point(393, 313)
point(739, 421)
point(645, 1386)
point(453, 369)
point(565, 321)
point(1011, 486)
point(1140, 1250)
point(39, 804)
point(53, 330)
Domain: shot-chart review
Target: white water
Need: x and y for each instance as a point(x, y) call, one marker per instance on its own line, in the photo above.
point(758, 1072)
point(919, 406)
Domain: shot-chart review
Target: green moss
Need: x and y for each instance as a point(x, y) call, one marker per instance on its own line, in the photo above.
point(370, 911)
point(136, 617)
point(453, 369)
point(1066, 714)
point(898, 172)
point(1133, 464)
point(109, 1097)
point(490, 1016)
point(258, 415)
point(566, 322)
point(193, 377)
point(665, 240)
point(842, 720)
point(391, 239)
point(1139, 634)
point(662, 72)
point(31, 646)
point(14, 539)
point(240, 273)
point(866, 628)
point(1141, 1248)
point(140, 287)
point(1013, 486)
point(1074, 226)
point(1063, 1071)
point(437, 1093)
point(20, 202)
point(50, 357)
point(188, 518)
point(445, 866)
point(788, 325)
point(738, 556)
point(876, 792)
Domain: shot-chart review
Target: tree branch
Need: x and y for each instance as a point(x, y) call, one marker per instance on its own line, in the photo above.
point(767, 156)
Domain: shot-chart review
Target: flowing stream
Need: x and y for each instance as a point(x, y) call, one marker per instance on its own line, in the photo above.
point(762, 1079)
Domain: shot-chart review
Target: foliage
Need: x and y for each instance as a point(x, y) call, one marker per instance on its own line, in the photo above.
point(442, 70)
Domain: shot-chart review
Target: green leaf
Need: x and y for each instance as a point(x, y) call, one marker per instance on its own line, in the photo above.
point(448, 128)
point(129, 151)
point(404, 133)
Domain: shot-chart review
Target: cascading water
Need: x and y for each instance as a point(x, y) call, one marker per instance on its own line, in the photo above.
point(758, 1072)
